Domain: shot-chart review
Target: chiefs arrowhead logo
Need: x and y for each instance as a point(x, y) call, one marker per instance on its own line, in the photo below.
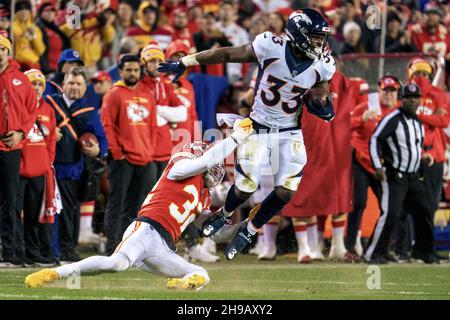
point(16, 82)
point(35, 134)
point(137, 113)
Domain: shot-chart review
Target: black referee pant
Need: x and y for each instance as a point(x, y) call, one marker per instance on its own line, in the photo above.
point(402, 190)
point(69, 219)
point(362, 181)
point(129, 185)
point(433, 181)
point(9, 213)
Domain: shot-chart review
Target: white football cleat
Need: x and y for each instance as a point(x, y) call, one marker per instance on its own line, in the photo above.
point(88, 237)
point(316, 254)
point(199, 253)
point(259, 247)
point(269, 252)
point(304, 254)
point(337, 251)
point(209, 245)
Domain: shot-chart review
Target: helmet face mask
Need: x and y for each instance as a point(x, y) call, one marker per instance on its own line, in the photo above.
point(308, 31)
point(214, 175)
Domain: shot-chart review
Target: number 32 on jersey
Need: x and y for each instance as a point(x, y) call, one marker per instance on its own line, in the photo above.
point(189, 208)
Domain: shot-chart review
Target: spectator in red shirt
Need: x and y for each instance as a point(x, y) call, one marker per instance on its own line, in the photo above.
point(435, 116)
point(179, 21)
point(185, 92)
point(170, 108)
point(431, 37)
point(38, 154)
point(17, 116)
point(364, 119)
point(128, 116)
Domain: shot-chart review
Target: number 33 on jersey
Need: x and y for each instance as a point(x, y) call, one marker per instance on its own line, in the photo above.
point(282, 81)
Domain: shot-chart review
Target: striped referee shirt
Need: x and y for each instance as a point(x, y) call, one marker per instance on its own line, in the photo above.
point(398, 140)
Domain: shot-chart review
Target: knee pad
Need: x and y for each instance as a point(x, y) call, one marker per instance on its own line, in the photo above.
point(245, 187)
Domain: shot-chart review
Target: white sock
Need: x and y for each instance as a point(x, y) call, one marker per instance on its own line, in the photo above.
point(302, 238)
point(338, 235)
point(227, 213)
point(313, 236)
point(338, 232)
point(116, 262)
point(251, 229)
point(270, 234)
point(85, 223)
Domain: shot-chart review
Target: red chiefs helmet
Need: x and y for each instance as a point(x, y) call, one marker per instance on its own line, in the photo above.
point(216, 173)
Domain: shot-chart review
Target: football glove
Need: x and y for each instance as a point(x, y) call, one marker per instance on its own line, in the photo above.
point(321, 109)
point(175, 67)
point(242, 129)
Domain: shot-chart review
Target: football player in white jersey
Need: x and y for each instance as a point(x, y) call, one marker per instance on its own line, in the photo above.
point(289, 66)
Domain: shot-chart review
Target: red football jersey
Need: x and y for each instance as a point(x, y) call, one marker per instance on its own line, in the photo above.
point(175, 204)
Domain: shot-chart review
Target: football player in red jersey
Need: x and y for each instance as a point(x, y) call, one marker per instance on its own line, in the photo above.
point(178, 198)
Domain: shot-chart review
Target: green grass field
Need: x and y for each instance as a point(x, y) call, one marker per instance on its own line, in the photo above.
point(246, 278)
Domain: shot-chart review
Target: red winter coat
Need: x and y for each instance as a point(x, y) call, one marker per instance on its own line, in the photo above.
point(164, 93)
point(38, 151)
point(129, 119)
point(17, 103)
point(326, 187)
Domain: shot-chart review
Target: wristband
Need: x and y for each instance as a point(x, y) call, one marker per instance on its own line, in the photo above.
point(190, 60)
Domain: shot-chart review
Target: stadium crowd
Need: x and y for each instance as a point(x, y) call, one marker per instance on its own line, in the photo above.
point(77, 168)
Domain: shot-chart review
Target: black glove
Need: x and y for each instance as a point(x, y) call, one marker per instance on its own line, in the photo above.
point(321, 109)
point(175, 67)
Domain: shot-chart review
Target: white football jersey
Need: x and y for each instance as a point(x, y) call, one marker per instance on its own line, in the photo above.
point(282, 81)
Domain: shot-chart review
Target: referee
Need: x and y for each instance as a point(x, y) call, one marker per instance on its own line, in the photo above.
point(395, 151)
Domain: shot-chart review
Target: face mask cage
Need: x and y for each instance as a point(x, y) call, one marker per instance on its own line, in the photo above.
point(214, 175)
point(305, 44)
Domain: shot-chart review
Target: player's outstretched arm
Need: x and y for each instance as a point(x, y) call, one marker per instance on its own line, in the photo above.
point(186, 168)
point(240, 54)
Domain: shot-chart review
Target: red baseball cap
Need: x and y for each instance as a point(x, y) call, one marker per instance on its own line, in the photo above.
point(101, 76)
point(389, 82)
point(175, 47)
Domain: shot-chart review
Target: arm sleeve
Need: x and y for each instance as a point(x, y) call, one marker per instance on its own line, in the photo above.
point(191, 167)
point(384, 129)
point(109, 114)
point(173, 114)
point(434, 120)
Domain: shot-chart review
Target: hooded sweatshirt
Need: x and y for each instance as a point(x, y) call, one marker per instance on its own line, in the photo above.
point(129, 120)
point(17, 103)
